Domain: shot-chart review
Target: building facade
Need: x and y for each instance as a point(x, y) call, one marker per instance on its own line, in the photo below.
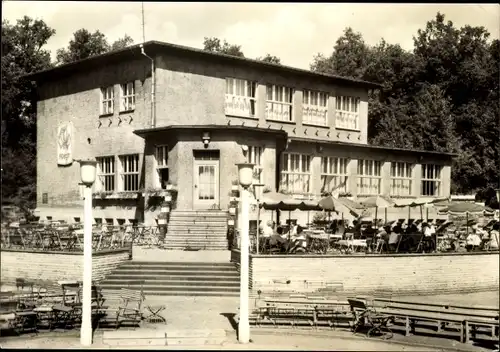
point(177, 117)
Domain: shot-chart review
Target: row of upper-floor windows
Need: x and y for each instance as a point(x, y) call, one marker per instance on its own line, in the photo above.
point(241, 101)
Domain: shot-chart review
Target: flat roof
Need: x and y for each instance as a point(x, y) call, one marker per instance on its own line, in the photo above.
point(373, 147)
point(146, 131)
point(284, 134)
point(154, 47)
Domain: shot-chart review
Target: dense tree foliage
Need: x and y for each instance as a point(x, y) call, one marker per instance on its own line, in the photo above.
point(443, 96)
point(85, 44)
point(270, 58)
point(22, 52)
point(214, 44)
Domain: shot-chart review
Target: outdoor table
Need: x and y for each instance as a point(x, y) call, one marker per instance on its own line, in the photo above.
point(63, 315)
point(154, 316)
point(353, 244)
point(45, 316)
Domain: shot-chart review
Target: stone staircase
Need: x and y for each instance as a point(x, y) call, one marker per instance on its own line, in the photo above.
point(197, 229)
point(176, 278)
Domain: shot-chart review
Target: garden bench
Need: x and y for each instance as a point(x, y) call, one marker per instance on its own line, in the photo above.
point(475, 326)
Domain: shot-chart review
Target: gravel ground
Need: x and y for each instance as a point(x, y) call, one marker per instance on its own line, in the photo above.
point(271, 340)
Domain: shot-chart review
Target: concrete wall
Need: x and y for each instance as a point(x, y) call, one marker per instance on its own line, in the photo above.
point(56, 266)
point(397, 274)
point(181, 161)
point(192, 91)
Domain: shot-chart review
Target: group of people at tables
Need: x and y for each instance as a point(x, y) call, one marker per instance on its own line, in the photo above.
point(397, 236)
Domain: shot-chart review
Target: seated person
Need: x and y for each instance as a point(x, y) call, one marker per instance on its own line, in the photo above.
point(473, 241)
point(429, 241)
point(299, 240)
point(394, 237)
point(276, 239)
point(268, 229)
point(494, 236)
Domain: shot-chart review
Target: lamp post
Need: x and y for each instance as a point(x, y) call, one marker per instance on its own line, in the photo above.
point(88, 175)
point(245, 178)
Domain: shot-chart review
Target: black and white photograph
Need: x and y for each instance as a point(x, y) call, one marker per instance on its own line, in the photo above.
point(250, 176)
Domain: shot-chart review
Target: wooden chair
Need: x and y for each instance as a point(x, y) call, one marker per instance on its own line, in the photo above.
point(365, 317)
point(122, 306)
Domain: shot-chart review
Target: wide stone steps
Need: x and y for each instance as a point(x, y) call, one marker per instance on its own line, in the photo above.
point(197, 227)
point(176, 278)
point(196, 232)
point(201, 229)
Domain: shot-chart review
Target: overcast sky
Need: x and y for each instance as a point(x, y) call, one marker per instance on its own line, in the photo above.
point(294, 32)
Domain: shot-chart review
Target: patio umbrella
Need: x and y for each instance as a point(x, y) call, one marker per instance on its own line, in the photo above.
point(419, 202)
point(331, 203)
point(376, 202)
point(272, 200)
point(461, 209)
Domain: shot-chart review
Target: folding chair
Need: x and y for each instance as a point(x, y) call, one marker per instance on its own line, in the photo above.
point(367, 317)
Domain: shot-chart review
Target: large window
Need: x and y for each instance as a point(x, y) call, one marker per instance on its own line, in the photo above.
point(295, 173)
point(314, 108)
point(107, 100)
point(106, 174)
point(240, 97)
point(161, 156)
point(369, 177)
point(347, 112)
point(401, 179)
point(129, 172)
point(431, 180)
point(127, 96)
point(255, 156)
point(334, 174)
point(279, 103)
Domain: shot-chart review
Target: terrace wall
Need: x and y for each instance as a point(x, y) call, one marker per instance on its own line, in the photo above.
point(369, 274)
point(55, 266)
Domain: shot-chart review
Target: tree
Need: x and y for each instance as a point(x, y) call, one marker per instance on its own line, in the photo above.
point(22, 53)
point(122, 43)
point(443, 96)
point(83, 45)
point(271, 59)
point(214, 45)
point(349, 58)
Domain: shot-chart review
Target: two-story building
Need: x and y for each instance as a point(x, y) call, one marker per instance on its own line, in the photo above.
point(159, 114)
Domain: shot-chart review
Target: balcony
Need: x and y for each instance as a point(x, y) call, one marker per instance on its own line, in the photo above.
point(237, 105)
point(347, 120)
point(314, 115)
point(279, 111)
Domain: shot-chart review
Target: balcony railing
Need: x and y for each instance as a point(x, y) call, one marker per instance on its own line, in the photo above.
point(279, 111)
point(349, 120)
point(237, 105)
point(315, 115)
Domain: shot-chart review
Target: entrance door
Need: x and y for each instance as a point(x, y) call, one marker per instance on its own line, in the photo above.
point(206, 184)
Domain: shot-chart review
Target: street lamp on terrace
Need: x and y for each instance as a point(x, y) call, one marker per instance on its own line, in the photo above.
point(245, 178)
point(88, 175)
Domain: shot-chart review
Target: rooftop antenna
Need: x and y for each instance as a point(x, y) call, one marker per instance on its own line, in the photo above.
point(143, 26)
